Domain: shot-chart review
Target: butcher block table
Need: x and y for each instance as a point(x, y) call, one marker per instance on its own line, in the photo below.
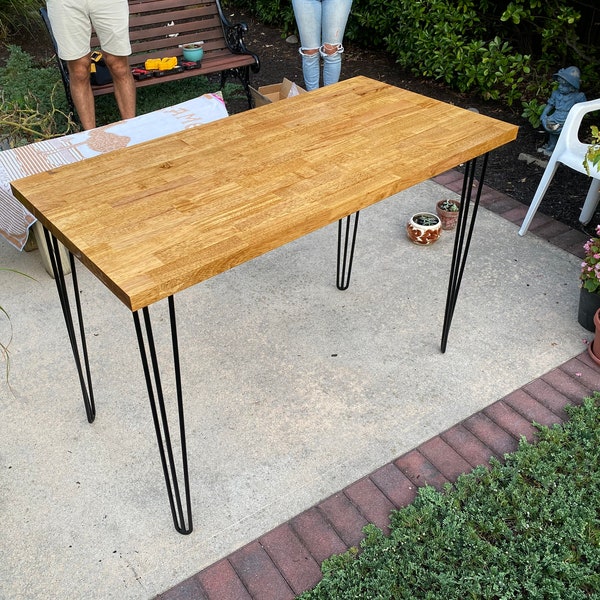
point(151, 220)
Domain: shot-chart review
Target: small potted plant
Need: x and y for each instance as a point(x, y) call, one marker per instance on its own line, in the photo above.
point(193, 52)
point(447, 210)
point(592, 156)
point(424, 228)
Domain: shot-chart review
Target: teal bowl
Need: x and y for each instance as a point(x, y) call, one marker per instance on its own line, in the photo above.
point(193, 52)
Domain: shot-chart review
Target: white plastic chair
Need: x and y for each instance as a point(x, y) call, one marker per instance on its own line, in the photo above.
point(570, 152)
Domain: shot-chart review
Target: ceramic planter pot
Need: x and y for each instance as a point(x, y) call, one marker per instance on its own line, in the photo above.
point(424, 228)
point(594, 345)
point(193, 52)
point(589, 303)
point(449, 218)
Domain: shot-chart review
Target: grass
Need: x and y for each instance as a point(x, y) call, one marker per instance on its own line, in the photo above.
point(528, 528)
point(166, 94)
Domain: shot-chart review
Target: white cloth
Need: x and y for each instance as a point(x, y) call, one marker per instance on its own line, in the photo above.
point(17, 163)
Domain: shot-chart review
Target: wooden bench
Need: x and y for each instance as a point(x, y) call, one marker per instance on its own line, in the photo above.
point(158, 27)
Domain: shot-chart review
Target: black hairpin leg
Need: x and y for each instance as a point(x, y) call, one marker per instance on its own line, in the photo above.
point(344, 260)
point(79, 348)
point(462, 240)
point(159, 416)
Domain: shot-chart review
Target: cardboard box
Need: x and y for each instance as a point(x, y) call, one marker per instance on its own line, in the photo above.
point(267, 94)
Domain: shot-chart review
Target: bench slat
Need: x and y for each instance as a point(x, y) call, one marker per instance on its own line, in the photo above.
point(210, 67)
point(144, 26)
point(159, 6)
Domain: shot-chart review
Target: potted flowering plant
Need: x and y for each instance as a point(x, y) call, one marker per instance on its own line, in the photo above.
point(589, 297)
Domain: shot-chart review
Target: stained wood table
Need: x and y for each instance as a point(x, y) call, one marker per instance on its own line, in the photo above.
point(148, 221)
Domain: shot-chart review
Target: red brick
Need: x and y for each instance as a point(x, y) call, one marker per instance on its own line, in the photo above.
point(489, 196)
point(293, 560)
point(530, 408)
point(539, 220)
point(469, 446)
point(566, 385)
point(419, 470)
point(259, 575)
point(442, 456)
point(575, 248)
point(371, 502)
point(516, 214)
point(570, 240)
point(317, 535)
point(500, 204)
point(584, 370)
point(510, 420)
point(548, 229)
point(395, 485)
point(500, 441)
point(187, 590)
point(221, 582)
point(450, 178)
point(544, 393)
point(345, 518)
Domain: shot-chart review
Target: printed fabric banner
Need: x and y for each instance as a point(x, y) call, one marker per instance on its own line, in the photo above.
point(17, 163)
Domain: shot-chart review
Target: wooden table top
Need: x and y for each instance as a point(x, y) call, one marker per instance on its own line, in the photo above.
point(156, 218)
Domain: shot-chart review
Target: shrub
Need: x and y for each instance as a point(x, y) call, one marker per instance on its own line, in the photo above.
point(528, 528)
point(18, 16)
point(34, 105)
point(504, 51)
point(269, 12)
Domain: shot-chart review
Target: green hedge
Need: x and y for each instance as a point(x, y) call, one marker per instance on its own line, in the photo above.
point(501, 50)
point(529, 528)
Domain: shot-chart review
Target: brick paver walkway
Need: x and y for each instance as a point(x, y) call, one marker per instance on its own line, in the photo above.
point(286, 561)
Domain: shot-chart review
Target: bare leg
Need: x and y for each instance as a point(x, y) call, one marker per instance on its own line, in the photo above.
point(123, 82)
point(81, 90)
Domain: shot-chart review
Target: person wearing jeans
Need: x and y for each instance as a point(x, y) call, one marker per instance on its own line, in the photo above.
point(321, 25)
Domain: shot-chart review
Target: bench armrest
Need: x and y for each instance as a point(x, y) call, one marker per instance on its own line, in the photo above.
point(234, 37)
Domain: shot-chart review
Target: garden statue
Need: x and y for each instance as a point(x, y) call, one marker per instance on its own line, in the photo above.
point(559, 104)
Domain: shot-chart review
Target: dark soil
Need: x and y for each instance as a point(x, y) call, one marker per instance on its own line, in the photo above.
point(505, 173)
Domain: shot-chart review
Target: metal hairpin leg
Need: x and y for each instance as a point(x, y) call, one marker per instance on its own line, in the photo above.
point(161, 423)
point(344, 260)
point(461, 245)
point(59, 277)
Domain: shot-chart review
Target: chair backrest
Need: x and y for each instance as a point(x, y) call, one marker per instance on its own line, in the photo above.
point(568, 140)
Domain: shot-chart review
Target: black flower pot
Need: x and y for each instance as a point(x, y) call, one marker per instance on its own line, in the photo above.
point(589, 303)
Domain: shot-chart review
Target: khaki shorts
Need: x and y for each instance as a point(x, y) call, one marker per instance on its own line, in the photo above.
point(72, 22)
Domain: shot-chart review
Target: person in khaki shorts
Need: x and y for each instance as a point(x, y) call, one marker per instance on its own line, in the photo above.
point(72, 22)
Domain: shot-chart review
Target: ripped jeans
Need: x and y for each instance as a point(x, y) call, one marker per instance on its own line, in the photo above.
point(321, 25)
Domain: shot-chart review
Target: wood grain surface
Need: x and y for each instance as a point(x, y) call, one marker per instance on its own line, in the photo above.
point(156, 218)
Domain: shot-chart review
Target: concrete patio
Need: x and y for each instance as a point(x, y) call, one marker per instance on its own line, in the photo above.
point(293, 390)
